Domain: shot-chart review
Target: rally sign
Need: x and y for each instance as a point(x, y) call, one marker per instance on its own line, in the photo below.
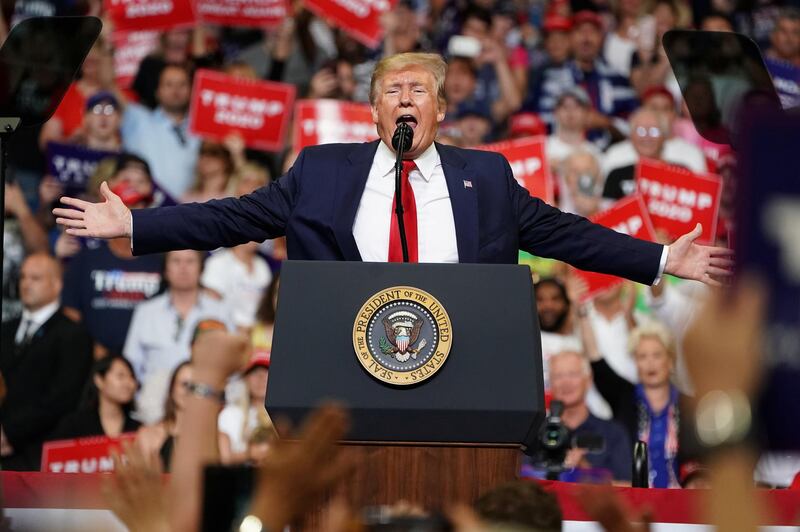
point(329, 121)
point(129, 50)
point(141, 15)
point(242, 13)
point(528, 164)
point(82, 455)
point(678, 199)
point(628, 216)
point(359, 18)
point(257, 110)
point(73, 165)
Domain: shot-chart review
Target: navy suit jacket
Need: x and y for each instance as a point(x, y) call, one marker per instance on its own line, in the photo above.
point(314, 205)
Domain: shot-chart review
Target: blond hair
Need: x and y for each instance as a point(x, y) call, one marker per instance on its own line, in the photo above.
point(656, 330)
point(433, 63)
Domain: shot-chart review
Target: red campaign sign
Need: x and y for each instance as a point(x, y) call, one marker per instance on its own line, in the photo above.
point(329, 121)
point(83, 455)
point(678, 199)
point(129, 50)
point(528, 164)
point(629, 216)
point(257, 110)
point(359, 18)
point(242, 13)
point(142, 15)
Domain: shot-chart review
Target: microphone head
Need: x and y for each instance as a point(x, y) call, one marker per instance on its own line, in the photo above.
point(402, 138)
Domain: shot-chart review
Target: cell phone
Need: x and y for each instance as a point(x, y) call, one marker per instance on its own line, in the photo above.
point(227, 491)
point(464, 46)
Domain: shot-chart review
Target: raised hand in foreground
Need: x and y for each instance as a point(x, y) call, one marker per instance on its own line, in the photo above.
point(107, 219)
point(135, 491)
point(296, 473)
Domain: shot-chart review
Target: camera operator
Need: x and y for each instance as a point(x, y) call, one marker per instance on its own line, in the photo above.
point(570, 379)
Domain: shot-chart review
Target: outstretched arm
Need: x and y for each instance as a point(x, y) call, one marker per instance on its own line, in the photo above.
point(217, 223)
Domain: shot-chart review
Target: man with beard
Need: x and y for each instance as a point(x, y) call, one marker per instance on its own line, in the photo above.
point(161, 135)
point(554, 306)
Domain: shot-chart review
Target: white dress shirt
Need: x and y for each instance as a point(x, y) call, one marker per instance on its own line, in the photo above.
point(31, 321)
point(436, 227)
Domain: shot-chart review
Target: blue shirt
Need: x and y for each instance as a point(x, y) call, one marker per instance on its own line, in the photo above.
point(616, 454)
point(169, 148)
point(662, 464)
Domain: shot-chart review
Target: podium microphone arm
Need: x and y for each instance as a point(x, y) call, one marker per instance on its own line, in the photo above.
point(401, 141)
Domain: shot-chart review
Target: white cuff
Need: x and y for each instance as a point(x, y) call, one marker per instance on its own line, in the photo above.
point(661, 265)
point(132, 235)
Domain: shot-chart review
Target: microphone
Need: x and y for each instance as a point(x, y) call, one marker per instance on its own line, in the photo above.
point(401, 141)
point(403, 135)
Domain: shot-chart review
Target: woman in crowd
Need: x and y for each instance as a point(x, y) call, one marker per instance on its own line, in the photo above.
point(651, 409)
point(213, 174)
point(238, 422)
point(161, 436)
point(108, 403)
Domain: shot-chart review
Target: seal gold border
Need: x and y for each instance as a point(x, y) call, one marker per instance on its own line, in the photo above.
point(394, 294)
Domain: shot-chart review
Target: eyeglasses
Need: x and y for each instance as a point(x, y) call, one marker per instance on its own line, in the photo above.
point(104, 109)
point(652, 132)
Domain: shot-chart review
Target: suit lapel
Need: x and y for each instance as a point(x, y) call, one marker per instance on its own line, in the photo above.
point(351, 178)
point(462, 187)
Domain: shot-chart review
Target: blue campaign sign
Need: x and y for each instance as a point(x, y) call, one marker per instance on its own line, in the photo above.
point(768, 243)
point(73, 165)
point(786, 78)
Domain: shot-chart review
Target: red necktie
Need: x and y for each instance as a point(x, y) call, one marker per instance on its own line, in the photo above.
point(409, 219)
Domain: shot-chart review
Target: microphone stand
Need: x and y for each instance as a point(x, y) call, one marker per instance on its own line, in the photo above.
point(401, 140)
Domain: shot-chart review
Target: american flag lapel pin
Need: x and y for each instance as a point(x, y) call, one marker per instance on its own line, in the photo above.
point(467, 183)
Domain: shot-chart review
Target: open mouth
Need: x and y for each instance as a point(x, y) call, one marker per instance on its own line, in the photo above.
point(408, 119)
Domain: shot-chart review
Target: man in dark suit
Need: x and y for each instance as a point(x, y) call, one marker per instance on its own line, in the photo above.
point(45, 361)
point(336, 203)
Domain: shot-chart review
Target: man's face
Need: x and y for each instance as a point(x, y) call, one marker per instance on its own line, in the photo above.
point(558, 46)
point(551, 307)
point(211, 167)
point(570, 115)
point(39, 282)
point(785, 38)
point(406, 33)
point(474, 129)
point(475, 27)
point(459, 83)
point(183, 269)
point(661, 105)
point(586, 41)
point(102, 121)
point(569, 381)
point(647, 136)
point(409, 94)
point(174, 90)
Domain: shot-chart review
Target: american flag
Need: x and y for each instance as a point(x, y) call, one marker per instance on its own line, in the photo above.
point(467, 184)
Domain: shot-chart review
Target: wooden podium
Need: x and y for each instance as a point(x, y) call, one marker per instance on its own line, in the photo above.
point(487, 394)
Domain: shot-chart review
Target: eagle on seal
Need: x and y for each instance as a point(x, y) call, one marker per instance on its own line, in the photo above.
point(402, 331)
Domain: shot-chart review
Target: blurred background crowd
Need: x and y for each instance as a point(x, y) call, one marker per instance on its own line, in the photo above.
point(96, 341)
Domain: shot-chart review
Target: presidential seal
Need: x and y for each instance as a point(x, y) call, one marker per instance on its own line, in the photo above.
point(402, 335)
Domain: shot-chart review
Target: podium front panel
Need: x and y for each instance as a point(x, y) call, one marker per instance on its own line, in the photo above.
point(489, 389)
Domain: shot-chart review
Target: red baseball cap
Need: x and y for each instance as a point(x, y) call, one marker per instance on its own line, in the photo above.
point(586, 15)
point(657, 90)
point(524, 124)
point(556, 22)
point(260, 359)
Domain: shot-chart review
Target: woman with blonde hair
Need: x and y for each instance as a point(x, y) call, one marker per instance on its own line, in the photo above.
point(650, 410)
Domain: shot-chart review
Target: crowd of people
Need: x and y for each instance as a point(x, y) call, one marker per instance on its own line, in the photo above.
point(96, 341)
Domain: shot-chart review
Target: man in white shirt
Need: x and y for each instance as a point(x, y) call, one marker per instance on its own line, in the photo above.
point(160, 334)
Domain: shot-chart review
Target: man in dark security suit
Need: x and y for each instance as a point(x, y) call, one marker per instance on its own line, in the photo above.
point(45, 361)
point(336, 203)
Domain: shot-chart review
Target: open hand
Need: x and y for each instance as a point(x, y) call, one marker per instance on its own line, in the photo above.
point(107, 219)
point(706, 264)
